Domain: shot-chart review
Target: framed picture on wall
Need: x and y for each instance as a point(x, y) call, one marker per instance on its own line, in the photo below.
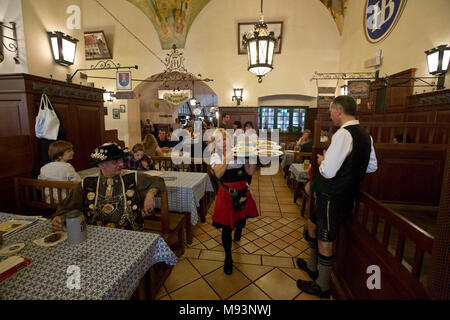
point(122, 108)
point(249, 27)
point(95, 46)
point(105, 109)
point(116, 113)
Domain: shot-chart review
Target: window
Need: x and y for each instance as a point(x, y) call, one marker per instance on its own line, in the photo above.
point(290, 120)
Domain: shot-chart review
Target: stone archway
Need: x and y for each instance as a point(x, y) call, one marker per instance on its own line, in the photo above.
point(160, 111)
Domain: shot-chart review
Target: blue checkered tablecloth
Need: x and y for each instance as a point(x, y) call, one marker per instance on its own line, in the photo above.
point(298, 172)
point(185, 189)
point(111, 262)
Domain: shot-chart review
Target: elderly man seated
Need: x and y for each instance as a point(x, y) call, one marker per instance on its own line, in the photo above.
point(112, 198)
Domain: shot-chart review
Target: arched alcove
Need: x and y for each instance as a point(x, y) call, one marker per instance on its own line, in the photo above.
point(161, 111)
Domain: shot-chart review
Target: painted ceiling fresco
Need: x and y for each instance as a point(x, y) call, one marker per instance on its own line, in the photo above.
point(171, 18)
point(337, 11)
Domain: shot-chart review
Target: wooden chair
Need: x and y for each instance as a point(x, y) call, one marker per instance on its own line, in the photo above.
point(168, 225)
point(163, 163)
point(38, 196)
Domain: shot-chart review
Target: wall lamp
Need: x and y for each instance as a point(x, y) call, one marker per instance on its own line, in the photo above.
point(438, 59)
point(237, 95)
point(344, 90)
point(63, 47)
point(109, 96)
point(11, 47)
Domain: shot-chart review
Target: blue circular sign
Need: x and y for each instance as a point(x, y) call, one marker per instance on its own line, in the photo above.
point(380, 17)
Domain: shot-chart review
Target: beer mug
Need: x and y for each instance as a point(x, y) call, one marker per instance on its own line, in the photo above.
point(75, 225)
point(306, 164)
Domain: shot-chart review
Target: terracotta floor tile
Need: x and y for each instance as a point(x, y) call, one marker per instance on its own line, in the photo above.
point(285, 220)
point(290, 214)
point(167, 297)
point(285, 262)
point(250, 292)
point(297, 234)
point(197, 290)
point(281, 244)
point(250, 247)
point(267, 199)
point(277, 224)
point(271, 249)
point(197, 231)
point(278, 285)
point(270, 238)
point(293, 251)
point(211, 243)
point(269, 228)
point(296, 274)
point(241, 242)
point(206, 266)
point(207, 227)
point(203, 237)
point(259, 223)
point(199, 245)
point(219, 248)
point(191, 253)
point(251, 236)
point(287, 229)
point(270, 207)
point(181, 274)
point(261, 252)
point(252, 272)
point(214, 233)
point(240, 250)
point(300, 245)
point(271, 213)
point(285, 200)
point(287, 238)
point(246, 258)
point(227, 285)
point(251, 227)
point(283, 254)
point(260, 232)
point(212, 255)
point(289, 208)
point(267, 219)
point(278, 233)
point(260, 242)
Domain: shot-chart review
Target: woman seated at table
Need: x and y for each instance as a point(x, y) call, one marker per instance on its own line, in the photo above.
point(234, 202)
point(60, 152)
point(151, 147)
point(138, 160)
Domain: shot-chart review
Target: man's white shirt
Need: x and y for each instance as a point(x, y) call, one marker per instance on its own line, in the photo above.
point(340, 147)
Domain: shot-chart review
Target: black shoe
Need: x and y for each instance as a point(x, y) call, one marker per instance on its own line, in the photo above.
point(237, 234)
point(228, 266)
point(302, 264)
point(313, 289)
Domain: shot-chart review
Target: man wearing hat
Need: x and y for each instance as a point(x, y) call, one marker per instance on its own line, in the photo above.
point(112, 198)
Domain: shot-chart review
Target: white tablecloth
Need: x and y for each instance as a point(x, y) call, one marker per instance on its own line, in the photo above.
point(111, 262)
point(185, 189)
point(298, 172)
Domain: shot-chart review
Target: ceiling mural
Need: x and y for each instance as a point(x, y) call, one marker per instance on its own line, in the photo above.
point(171, 18)
point(337, 11)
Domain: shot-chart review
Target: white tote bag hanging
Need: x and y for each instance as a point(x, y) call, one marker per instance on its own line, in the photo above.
point(47, 122)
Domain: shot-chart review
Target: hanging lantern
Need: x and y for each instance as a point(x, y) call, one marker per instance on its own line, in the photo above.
point(260, 46)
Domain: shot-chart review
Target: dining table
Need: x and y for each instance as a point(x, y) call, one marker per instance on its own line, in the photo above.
point(185, 189)
point(111, 263)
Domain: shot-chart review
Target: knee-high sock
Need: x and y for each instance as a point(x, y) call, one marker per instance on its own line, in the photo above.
point(226, 241)
point(325, 268)
point(312, 262)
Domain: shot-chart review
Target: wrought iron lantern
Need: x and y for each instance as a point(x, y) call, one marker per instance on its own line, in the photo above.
point(438, 60)
point(63, 47)
point(237, 95)
point(260, 46)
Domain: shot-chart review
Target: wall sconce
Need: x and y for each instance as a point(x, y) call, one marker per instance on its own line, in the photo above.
point(344, 90)
point(237, 95)
point(438, 59)
point(63, 47)
point(193, 102)
point(13, 46)
point(108, 96)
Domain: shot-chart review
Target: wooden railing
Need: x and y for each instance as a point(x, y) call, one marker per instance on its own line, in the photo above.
point(384, 132)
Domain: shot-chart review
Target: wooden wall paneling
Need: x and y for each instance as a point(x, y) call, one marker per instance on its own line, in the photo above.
point(400, 87)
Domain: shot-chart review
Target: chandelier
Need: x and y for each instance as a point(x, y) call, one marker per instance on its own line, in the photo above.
point(260, 45)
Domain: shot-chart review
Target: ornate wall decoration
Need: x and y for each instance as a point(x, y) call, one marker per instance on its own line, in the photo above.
point(171, 18)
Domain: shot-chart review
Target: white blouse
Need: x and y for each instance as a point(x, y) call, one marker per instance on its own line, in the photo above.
point(216, 159)
point(58, 171)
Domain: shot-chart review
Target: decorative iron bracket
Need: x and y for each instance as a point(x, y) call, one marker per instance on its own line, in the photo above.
point(13, 46)
point(101, 65)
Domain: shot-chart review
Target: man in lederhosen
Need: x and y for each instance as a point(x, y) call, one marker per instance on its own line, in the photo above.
point(112, 198)
point(342, 169)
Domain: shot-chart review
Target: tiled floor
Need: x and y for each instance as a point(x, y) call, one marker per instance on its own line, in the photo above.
point(264, 258)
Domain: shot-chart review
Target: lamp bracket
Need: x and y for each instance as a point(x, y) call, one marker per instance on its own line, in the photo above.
point(12, 46)
point(101, 65)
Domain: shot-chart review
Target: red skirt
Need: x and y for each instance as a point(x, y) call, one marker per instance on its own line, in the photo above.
point(224, 214)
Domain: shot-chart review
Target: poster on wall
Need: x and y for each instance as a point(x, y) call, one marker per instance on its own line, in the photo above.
point(123, 80)
point(380, 18)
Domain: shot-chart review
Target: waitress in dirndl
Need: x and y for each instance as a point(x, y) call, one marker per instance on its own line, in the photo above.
point(234, 202)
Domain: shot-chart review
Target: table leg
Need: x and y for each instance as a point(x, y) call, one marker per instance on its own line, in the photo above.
point(189, 236)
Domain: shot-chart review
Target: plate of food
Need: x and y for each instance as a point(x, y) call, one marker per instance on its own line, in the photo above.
point(263, 143)
point(243, 149)
point(270, 147)
point(269, 153)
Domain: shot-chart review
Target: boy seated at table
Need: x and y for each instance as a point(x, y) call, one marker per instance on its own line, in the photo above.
point(137, 159)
